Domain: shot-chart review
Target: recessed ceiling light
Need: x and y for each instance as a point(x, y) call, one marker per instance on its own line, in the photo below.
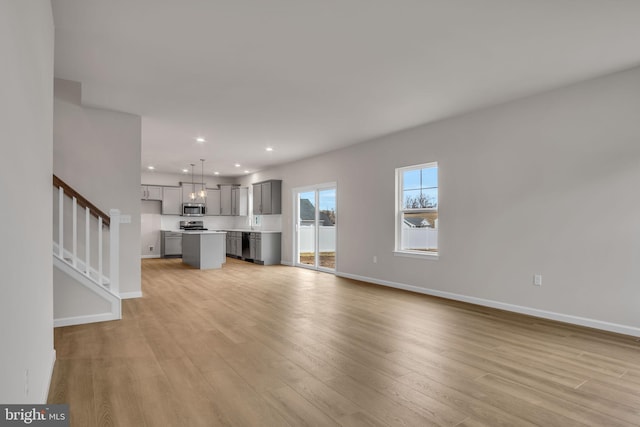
point(200, 139)
point(269, 148)
point(185, 170)
point(216, 173)
point(246, 171)
point(151, 168)
point(237, 165)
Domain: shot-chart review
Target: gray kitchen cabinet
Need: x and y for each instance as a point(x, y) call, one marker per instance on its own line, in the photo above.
point(238, 239)
point(150, 192)
point(240, 201)
point(252, 246)
point(170, 244)
point(234, 200)
point(213, 202)
point(225, 198)
point(171, 201)
point(265, 248)
point(234, 244)
point(267, 197)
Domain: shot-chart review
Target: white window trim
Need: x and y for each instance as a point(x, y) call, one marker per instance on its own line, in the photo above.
point(398, 217)
point(417, 254)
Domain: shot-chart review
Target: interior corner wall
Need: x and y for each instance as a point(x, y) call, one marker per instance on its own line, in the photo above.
point(543, 185)
point(97, 152)
point(26, 305)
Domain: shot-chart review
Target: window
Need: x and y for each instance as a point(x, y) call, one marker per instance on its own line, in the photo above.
point(417, 210)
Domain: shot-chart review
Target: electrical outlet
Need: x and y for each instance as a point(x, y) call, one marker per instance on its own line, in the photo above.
point(537, 280)
point(375, 259)
point(150, 248)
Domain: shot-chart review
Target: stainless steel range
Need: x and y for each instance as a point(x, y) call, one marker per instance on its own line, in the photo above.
point(192, 225)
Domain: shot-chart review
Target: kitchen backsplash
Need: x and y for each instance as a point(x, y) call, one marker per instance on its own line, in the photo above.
point(270, 222)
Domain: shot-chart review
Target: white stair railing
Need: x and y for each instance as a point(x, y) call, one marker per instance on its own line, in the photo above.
point(114, 249)
point(111, 281)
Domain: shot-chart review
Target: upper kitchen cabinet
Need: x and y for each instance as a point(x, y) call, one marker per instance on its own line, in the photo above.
point(213, 202)
point(267, 197)
point(150, 192)
point(234, 200)
point(225, 198)
point(240, 201)
point(171, 200)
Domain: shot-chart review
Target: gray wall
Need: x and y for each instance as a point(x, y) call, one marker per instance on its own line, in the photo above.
point(26, 305)
point(97, 152)
point(546, 184)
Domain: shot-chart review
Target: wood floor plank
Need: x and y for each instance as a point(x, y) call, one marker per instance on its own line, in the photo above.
point(551, 409)
point(360, 419)
point(196, 402)
point(324, 397)
point(469, 399)
point(241, 403)
point(116, 402)
point(250, 345)
point(75, 383)
point(377, 405)
point(295, 409)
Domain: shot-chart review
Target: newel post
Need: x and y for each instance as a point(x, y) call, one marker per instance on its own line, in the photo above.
point(114, 251)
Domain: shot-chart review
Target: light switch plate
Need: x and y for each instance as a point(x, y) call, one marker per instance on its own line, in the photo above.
point(537, 279)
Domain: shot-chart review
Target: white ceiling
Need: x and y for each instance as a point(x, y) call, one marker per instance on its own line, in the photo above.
point(309, 76)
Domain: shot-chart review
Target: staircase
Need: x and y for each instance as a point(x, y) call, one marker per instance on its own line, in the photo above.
point(85, 259)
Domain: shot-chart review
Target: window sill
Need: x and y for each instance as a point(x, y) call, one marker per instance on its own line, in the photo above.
point(421, 255)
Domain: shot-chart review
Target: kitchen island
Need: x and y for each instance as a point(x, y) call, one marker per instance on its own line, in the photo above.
point(204, 249)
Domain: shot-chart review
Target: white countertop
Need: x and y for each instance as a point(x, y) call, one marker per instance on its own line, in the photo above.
point(244, 230)
point(202, 232)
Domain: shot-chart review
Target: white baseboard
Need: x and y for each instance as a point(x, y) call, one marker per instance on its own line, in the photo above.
point(131, 295)
point(149, 256)
point(80, 320)
point(566, 318)
point(289, 263)
point(48, 387)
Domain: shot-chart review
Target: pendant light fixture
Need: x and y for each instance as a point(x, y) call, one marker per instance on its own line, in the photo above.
point(192, 196)
point(203, 191)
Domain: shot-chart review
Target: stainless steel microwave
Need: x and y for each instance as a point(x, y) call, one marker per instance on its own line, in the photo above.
point(193, 209)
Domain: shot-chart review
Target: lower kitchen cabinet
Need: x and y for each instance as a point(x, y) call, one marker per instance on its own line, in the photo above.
point(170, 244)
point(257, 246)
point(234, 244)
point(264, 248)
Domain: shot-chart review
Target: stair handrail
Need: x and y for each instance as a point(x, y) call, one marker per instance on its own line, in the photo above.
point(112, 221)
point(71, 192)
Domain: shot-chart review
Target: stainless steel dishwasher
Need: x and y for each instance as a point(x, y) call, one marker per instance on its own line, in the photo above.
point(246, 249)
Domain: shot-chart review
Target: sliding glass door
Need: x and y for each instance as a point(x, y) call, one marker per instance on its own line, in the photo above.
point(316, 219)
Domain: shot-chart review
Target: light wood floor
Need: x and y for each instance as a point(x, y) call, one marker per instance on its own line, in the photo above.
point(277, 346)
